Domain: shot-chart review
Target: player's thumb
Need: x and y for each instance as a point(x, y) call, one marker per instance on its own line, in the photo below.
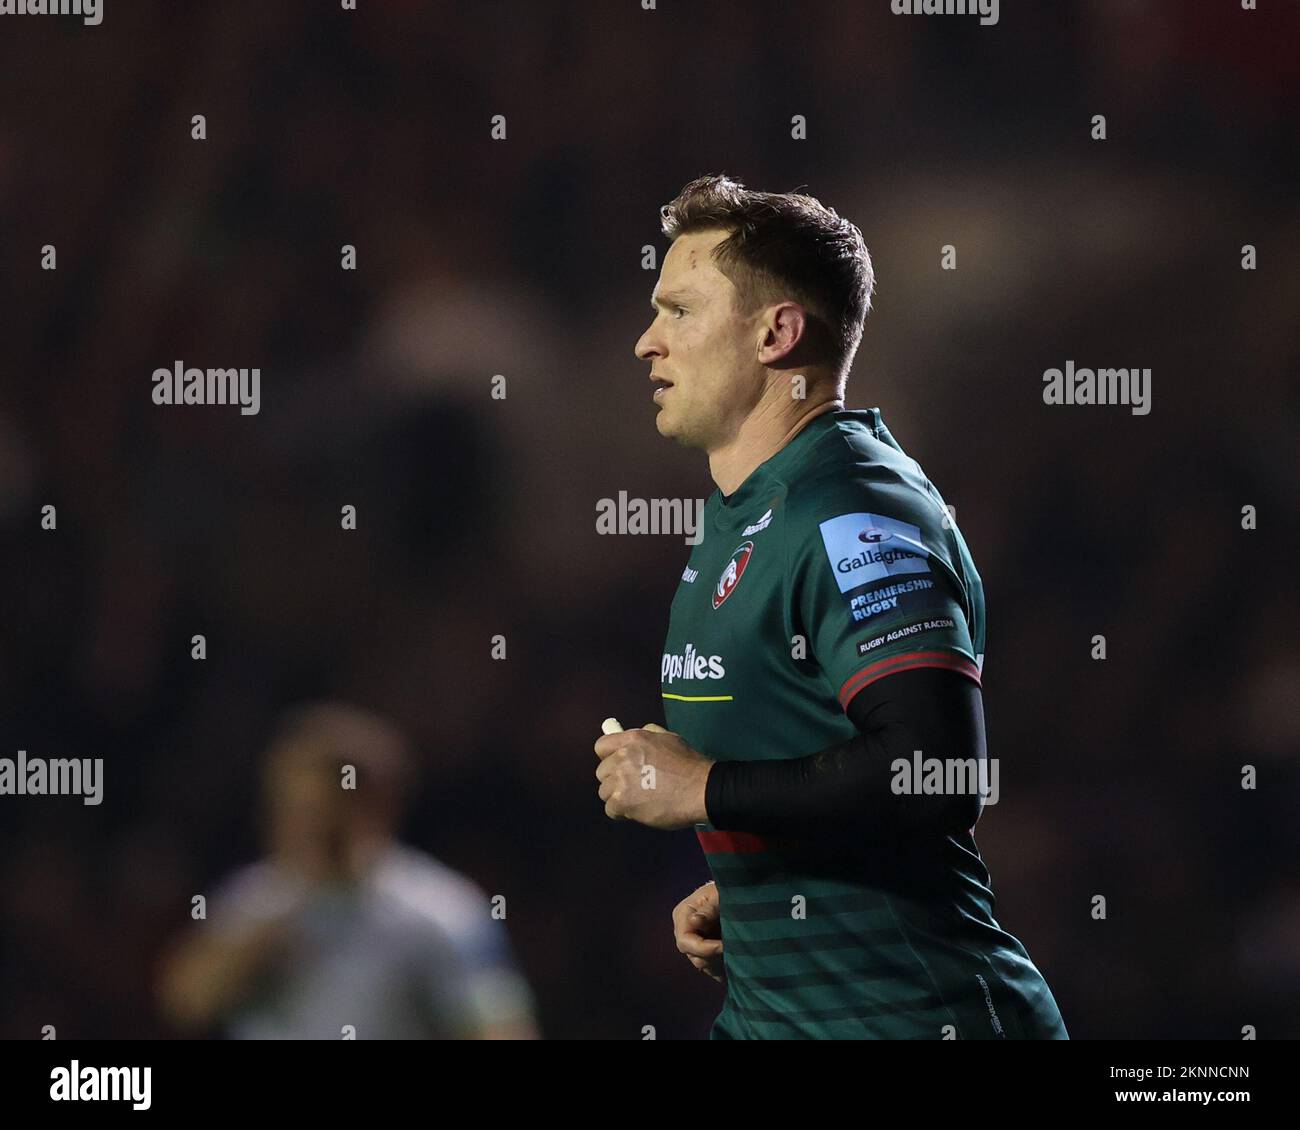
point(703, 912)
point(652, 726)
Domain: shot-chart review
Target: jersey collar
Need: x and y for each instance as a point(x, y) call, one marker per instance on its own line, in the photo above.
point(765, 484)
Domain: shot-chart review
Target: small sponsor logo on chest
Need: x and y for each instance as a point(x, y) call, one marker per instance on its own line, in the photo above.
point(689, 575)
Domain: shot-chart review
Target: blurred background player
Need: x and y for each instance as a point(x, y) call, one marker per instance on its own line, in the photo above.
point(342, 924)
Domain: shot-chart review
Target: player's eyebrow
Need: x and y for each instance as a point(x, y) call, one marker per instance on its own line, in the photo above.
point(671, 297)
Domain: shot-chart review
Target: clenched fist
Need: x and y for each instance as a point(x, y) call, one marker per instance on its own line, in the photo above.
point(653, 777)
point(697, 929)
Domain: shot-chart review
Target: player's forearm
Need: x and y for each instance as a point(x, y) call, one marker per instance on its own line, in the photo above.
point(838, 793)
point(208, 976)
point(847, 792)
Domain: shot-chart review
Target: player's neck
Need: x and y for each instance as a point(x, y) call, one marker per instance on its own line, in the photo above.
point(762, 434)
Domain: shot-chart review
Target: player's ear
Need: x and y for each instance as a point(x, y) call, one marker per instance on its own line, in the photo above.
point(782, 328)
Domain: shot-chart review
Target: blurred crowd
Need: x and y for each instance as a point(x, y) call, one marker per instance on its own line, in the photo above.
point(523, 258)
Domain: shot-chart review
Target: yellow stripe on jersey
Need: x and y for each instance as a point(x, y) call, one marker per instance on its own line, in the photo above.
point(697, 697)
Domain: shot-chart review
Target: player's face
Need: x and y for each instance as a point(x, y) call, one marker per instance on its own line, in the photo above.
point(304, 805)
point(702, 345)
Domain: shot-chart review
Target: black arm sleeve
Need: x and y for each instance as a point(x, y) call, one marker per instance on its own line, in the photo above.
point(844, 792)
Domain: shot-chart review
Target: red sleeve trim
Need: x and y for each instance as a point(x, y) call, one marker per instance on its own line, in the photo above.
point(949, 660)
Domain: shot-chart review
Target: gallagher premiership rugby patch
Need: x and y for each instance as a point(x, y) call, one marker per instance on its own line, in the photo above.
point(865, 549)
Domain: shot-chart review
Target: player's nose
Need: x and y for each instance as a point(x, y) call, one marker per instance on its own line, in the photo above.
point(648, 346)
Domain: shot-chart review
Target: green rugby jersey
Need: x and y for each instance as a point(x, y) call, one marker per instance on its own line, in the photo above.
point(835, 564)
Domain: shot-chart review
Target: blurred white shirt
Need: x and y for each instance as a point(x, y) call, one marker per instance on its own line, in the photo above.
point(411, 952)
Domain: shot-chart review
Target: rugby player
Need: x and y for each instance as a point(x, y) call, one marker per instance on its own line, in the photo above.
point(829, 623)
point(343, 931)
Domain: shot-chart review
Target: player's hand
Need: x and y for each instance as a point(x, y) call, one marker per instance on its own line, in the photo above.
point(653, 777)
point(697, 929)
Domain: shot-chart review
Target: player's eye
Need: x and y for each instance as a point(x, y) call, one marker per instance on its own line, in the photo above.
point(678, 310)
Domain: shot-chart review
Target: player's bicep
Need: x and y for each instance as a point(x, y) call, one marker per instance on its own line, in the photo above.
point(938, 712)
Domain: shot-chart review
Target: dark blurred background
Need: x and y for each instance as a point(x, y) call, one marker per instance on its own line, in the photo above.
point(523, 257)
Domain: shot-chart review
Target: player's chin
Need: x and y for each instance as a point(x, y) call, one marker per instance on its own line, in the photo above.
point(670, 427)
